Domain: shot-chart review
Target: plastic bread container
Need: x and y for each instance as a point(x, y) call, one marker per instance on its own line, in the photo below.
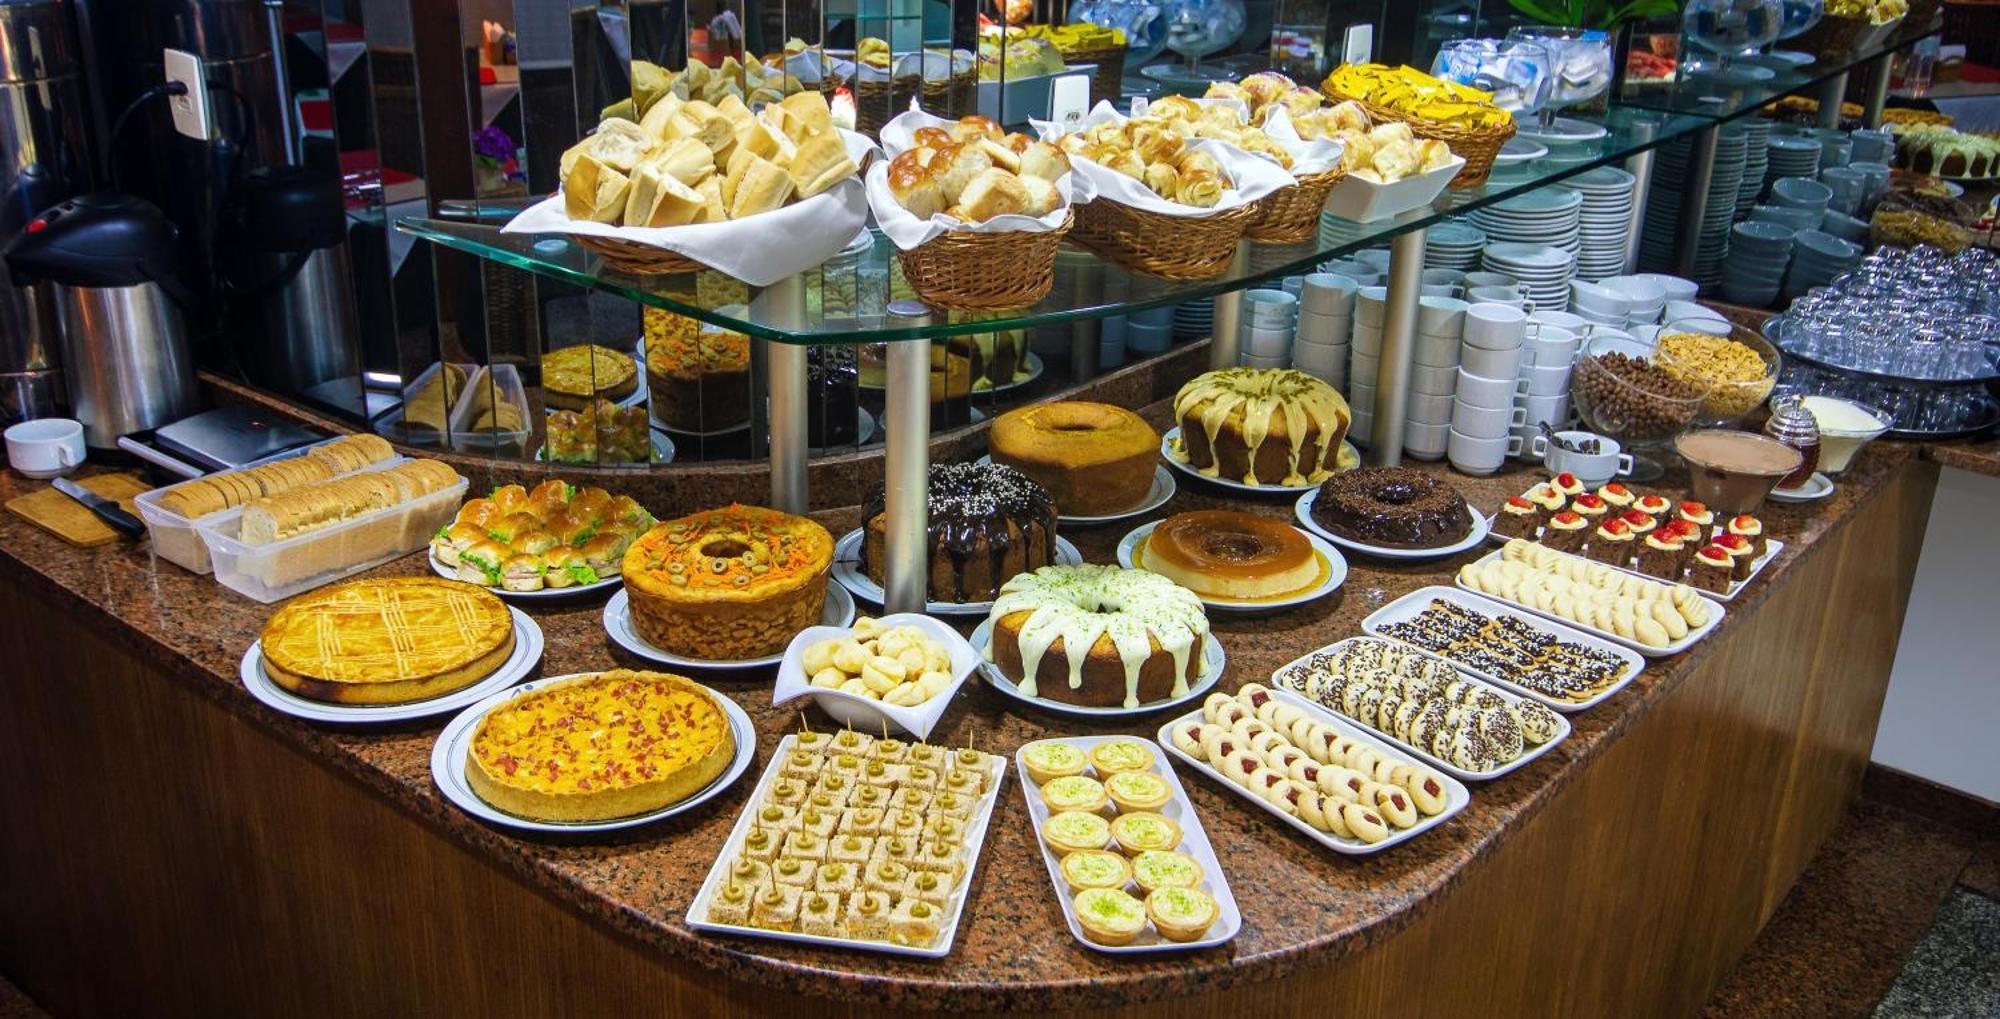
point(396, 426)
point(506, 381)
point(274, 572)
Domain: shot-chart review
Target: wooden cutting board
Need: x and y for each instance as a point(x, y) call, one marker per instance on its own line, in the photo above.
point(68, 519)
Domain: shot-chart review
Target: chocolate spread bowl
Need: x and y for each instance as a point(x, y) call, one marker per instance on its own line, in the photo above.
point(1733, 471)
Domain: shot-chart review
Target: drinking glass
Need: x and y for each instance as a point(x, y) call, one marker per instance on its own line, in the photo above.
point(1733, 28)
point(1196, 28)
point(1579, 64)
point(1516, 72)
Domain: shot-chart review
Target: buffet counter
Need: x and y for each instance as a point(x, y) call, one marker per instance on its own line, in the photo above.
point(179, 848)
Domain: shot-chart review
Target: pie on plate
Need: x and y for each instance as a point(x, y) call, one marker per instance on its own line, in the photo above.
point(388, 641)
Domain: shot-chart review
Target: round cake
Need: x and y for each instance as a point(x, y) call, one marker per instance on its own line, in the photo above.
point(699, 375)
point(727, 584)
point(987, 522)
point(1394, 507)
point(1097, 636)
point(1095, 459)
point(392, 640)
point(1260, 426)
point(1224, 554)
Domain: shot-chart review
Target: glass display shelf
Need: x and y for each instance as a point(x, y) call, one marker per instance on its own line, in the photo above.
point(1086, 286)
point(1727, 97)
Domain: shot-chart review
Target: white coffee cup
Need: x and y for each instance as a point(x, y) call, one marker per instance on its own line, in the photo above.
point(1367, 338)
point(1316, 328)
point(1486, 422)
point(1550, 345)
point(1486, 390)
point(1429, 409)
point(1364, 369)
point(1546, 379)
point(1494, 364)
point(1426, 442)
point(1441, 316)
point(1439, 351)
point(1561, 319)
point(1593, 469)
point(1550, 410)
point(1370, 305)
point(1474, 454)
point(1328, 293)
point(1434, 379)
point(1495, 326)
point(45, 447)
point(1262, 361)
point(1512, 297)
point(1262, 341)
point(1321, 361)
point(1488, 279)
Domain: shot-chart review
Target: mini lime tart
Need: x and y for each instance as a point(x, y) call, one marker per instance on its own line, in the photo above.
point(1181, 914)
point(1075, 831)
point(1140, 831)
point(1109, 916)
point(1155, 869)
point(1047, 761)
point(1121, 755)
point(1137, 790)
point(1095, 868)
point(1074, 792)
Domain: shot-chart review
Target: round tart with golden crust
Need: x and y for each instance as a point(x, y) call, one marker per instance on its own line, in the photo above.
point(728, 584)
point(574, 376)
point(388, 641)
point(600, 746)
point(1095, 459)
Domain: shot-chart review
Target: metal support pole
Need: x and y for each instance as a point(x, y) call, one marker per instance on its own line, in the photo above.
point(1640, 166)
point(1399, 342)
point(1225, 343)
point(906, 473)
point(1831, 94)
point(783, 306)
point(1694, 201)
point(1878, 91)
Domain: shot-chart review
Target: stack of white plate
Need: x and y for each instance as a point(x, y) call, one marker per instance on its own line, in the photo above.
point(1194, 319)
point(1605, 222)
point(1453, 245)
point(1663, 205)
point(1789, 155)
point(1544, 269)
point(1335, 231)
point(1547, 216)
point(1756, 162)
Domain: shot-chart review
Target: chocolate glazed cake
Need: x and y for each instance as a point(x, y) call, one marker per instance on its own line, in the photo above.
point(988, 522)
point(1394, 507)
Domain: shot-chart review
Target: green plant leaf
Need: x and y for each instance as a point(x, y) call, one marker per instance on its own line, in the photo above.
point(1540, 12)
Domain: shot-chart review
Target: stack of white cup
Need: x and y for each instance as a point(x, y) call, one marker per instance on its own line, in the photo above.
point(1265, 330)
point(1486, 407)
point(1370, 308)
point(1325, 327)
point(1547, 353)
point(1433, 376)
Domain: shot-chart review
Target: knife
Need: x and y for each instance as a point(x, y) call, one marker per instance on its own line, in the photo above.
point(113, 515)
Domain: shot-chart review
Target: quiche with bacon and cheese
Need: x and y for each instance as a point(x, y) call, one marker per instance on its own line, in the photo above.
point(600, 745)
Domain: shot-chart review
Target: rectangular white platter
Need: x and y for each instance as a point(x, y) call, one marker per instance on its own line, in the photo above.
point(1434, 761)
point(1194, 842)
point(1715, 614)
point(975, 841)
point(1409, 606)
point(1456, 795)
point(1771, 549)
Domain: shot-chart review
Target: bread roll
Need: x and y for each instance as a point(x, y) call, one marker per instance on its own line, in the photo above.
point(809, 114)
point(994, 192)
point(762, 187)
point(703, 123)
point(1200, 189)
point(658, 199)
point(973, 127)
point(658, 116)
point(956, 167)
point(914, 186)
point(732, 107)
point(1002, 156)
point(683, 159)
point(595, 192)
point(1163, 179)
point(1040, 159)
point(820, 162)
point(712, 209)
point(1043, 198)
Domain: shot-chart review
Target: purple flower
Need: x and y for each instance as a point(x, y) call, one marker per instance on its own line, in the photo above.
point(494, 144)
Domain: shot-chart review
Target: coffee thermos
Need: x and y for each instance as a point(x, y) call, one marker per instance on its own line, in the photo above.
point(289, 228)
point(44, 158)
point(113, 264)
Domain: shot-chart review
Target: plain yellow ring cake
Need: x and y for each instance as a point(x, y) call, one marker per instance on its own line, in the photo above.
point(388, 641)
point(599, 746)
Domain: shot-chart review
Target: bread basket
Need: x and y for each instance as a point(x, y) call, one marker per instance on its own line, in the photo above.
point(880, 100)
point(985, 271)
point(1170, 247)
point(1479, 145)
point(1290, 215)
point(635, 258)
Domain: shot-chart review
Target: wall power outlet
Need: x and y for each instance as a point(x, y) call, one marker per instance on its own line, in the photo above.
point(194, 113)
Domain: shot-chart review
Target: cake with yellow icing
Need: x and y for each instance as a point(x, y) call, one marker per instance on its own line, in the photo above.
point(1097, 636)
point(1260, 426)
point(728, 584)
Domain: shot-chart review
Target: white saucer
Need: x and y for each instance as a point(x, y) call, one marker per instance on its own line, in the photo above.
point(847, 573)
point(1157, 496)
point(527, 651)
point(837, 611)
point(1480, 527)
point(545, 594)
point(1212, 663)
point(1819, 486)
point(448, 757)
point(1173, 437)
point(1330, 557)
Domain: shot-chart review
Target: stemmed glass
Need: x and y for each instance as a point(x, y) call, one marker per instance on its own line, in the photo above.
point(1196, 28)
point(1734, 28)
point(1516, 72)
point(1579, 65)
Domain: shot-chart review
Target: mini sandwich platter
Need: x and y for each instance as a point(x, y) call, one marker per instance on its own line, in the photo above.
point(700, 914)
point(1212, 662)
point(1193, 843)
point(847, 572)
point(448, 764)
point(1171, 449)
point(545, 594)
point(527, 652)
point(1303, 510)
point(1157, 496)
point(1333, 573)
point(837, 611)
point(1412, 605)
point(1455, 796)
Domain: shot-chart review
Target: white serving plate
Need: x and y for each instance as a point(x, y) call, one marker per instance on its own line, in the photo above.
point(1163, 489)
point(1329, 557)
point(1694, 634)
point(865, 713)
point(1528, 754)
point(847, 573)
point(545, 594)
point(1194, 842)
point(1818, 487)
point(1410, 605)
point(1363, 201)
point(1772, 547)
point(1172, 439)
point(1480, 527)
point(527, 651)
point(838, 610)
point(718, 871)
point(1456, 795)
point(1212, 663)
point(448, 768)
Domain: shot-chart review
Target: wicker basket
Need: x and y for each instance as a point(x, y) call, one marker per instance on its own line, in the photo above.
point(635, 258)
point(1478, 145)
point(1289, 215)
point(1976, 23)
point(1833, 36)
point(1170, 247)
point(1108, 83)
point(878, 101)
point(963, 270)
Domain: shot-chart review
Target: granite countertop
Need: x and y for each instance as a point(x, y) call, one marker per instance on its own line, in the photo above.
point(1980, 456)
point(1301, 904)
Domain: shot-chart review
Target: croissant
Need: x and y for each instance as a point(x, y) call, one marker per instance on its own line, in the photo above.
point(1197, 161)
point(1200, 189)
point(1163, 179)
point(1265, 86)
point(1227, 90)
